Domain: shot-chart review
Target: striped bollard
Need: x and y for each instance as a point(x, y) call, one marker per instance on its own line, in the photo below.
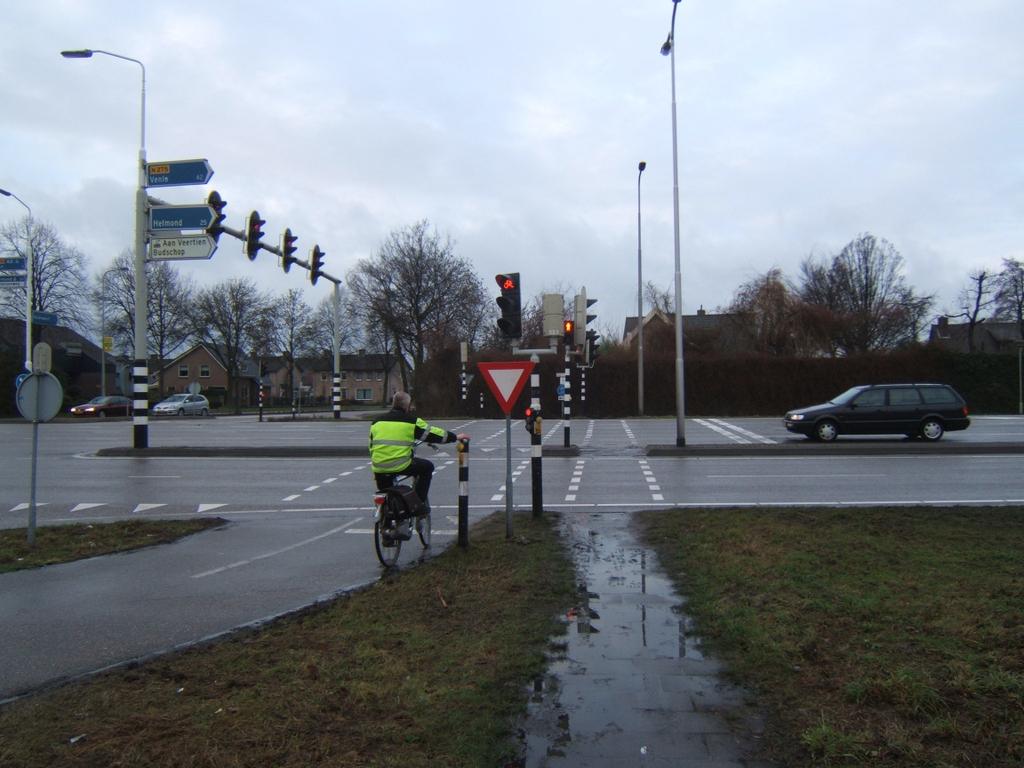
point(463, 451)
point(536, 449)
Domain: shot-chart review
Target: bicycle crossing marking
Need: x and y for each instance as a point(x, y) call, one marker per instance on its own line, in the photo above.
point(629, 433)
point(652, 482)
point(517, 471)
point(576, 480)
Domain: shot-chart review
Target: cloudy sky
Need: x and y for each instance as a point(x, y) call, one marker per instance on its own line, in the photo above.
point(516, 129)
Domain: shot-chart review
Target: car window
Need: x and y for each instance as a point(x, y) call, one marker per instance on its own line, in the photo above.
point(904, 396)
point(871, 397)
point(938, 395)
point(847, 396)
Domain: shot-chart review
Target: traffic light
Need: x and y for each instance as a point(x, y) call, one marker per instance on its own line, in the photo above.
point(511, 322)
point(568, 328)
point(287, 249)
point(581, 316)
point(532, 416)
point(253, 233)
point(316, 264)
point(214, 201)
point(592, 345)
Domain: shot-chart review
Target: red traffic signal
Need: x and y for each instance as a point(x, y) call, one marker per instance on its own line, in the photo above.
point(510, 302)
point(253, 233)
point(316, 264)
point(288, 248)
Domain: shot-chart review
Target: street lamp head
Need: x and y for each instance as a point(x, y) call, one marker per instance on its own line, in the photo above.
point(5, 193)
point(85, 53)
point(642, 167)
point(666, 48)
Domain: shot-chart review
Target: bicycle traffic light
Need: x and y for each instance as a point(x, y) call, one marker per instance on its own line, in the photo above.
point(511, 322)
point(287, 249)
point(214, 201)
point(568, 332)
point(253, 233)
point(316, 264)
point(581, 317)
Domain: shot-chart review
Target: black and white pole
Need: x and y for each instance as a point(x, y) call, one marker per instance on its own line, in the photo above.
point(583, 389)
point(336, 350)
point(567, 397)
point(463, 451)
point(536, 471)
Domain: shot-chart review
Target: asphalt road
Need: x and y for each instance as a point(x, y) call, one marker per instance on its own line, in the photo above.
point(298, 528)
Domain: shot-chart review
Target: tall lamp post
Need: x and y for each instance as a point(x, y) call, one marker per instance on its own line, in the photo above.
point(140, 371)
point(28, 281)
point(639, 300)
point(669, 49)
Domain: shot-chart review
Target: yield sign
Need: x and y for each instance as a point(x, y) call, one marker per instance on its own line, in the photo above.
point(506, 381)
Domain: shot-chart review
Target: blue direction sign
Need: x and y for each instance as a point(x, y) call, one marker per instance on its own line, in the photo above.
point(6, 279)
point(178, 173)
point(44, 318)
point(12, 263)
point(166, 218)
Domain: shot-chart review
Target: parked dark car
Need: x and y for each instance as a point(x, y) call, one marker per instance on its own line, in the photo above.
point(914, 410)
point(106, 405)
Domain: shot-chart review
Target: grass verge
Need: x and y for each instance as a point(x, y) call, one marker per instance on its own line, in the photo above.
point(64, 543)
point(874, 637)
point(428, 667)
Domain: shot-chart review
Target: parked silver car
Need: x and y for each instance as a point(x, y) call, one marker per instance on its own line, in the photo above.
point(182, 405)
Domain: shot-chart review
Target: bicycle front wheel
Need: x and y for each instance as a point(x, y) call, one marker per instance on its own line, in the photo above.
point(386, 546)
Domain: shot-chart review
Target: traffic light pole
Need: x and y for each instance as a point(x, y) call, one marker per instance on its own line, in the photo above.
point(536, 450)
point(567, 398)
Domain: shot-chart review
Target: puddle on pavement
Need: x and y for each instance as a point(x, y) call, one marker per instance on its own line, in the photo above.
point(628, 680)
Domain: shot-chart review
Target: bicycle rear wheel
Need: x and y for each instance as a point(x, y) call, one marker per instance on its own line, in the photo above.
point(387, 547)
point(423, 529)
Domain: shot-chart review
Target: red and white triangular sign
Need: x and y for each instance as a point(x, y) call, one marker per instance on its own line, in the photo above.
point(506, 381)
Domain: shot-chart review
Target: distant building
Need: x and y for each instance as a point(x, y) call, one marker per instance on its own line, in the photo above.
point(990, 336)
point(703, 332)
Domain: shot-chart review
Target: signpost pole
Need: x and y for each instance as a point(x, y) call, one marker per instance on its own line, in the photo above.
point(536, 449)
point(508, 475)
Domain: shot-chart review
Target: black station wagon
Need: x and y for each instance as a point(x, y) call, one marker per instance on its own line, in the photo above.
point(914, 410)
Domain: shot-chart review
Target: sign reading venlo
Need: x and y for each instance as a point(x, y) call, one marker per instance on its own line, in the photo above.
point(172, 248)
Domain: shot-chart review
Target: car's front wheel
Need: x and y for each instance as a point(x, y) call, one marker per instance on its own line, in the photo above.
point(181, 411)
point(826, 430)
point(931, 429)
point(204, 412)
point(102, 414)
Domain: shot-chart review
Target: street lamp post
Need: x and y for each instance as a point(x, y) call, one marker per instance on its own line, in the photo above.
point(28, 281)
point(140, 371)
point(669, 49)
point(639, 300)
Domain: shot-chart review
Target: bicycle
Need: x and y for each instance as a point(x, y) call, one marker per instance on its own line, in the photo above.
point(394, 506)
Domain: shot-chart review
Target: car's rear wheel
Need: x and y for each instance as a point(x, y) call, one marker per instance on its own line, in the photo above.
point(931, 429)
point(204, 412)
point(826, 430)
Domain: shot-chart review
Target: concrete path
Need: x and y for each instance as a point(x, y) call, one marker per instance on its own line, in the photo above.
point(632, 687)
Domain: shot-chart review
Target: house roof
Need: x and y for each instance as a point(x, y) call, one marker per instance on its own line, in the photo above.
point(12, 336)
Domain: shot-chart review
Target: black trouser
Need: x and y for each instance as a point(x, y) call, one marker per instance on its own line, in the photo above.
point(420, 469)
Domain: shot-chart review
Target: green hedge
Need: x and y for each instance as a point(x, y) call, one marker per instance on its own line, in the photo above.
point(726, 386)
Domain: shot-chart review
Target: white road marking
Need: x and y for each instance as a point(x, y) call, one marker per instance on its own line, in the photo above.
point(208, 508)
point(84, 506)
point(276, 552)
point(146, 507)
point(293, 497)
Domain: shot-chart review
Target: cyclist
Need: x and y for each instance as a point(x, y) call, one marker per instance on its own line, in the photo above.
point(392, 439)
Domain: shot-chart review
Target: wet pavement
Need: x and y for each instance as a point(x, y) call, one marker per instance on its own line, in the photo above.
point(629, 685)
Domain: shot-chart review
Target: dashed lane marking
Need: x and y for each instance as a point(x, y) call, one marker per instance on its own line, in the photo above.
point(652, 482)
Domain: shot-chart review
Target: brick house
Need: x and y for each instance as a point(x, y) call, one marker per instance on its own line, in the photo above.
point(365, 378)
point(990, 336)
point(200, 365)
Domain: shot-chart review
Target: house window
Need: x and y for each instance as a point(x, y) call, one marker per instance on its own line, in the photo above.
point(364, 394)
point(323, 377)
point(380, 375)
point(344, 375)
point(344, 394)
point(182, 371)
point(204, 370)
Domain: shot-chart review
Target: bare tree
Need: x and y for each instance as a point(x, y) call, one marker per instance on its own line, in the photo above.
point(862, 298)
point(320, 331)
point(417, 292)
point(59, 282)
point(766, 311)
point(229, 318)
point(659, 298)
point(975, 299)
point(291, 317)
point(1010, 293)
point(169, 310)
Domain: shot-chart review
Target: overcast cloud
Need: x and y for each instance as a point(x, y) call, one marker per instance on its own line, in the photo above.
point(516, 128)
